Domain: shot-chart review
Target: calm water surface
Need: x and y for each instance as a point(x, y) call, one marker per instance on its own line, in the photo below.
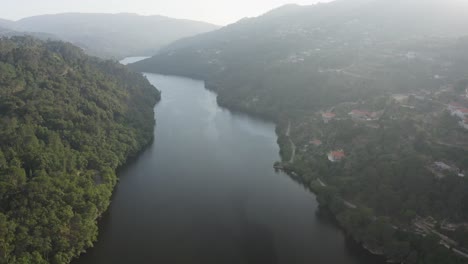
point(205, 192)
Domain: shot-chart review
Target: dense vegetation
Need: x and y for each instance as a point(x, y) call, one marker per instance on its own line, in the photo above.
point(386, 176)
point(315, 56)
point(294, 62)
point(67, 122)
point(109, 35)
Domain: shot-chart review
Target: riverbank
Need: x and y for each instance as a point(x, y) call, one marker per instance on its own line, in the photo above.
point(401, 246)
point(380, 236)
point(317, 188)
point(222, 199)
point(288, 159)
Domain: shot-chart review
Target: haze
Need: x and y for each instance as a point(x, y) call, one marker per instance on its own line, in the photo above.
point(219, 12)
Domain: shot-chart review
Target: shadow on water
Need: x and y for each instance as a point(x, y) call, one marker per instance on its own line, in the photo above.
point(355, 249)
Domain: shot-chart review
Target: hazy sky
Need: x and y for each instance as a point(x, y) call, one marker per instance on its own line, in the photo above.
point(215, 11)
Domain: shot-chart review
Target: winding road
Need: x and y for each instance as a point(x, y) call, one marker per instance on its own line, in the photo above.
point(293, 146)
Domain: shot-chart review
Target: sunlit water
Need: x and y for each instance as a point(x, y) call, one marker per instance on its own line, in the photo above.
point(206, 192)
point(132, 60)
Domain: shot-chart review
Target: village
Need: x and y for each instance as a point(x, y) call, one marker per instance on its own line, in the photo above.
point(316, 138)
point(457, 109)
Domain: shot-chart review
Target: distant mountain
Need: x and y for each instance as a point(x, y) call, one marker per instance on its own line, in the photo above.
point(6, 23)
point(308, 45)
point(114, 35)
point(9, 32)
point(5, 26)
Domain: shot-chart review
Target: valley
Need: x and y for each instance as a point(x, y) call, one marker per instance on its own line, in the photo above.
point(335, 132)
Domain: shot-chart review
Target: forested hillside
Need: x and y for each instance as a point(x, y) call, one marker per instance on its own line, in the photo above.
point(67, 122)
point(365, 94)
point(304, 57)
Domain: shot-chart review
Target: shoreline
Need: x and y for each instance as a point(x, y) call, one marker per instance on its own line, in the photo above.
point(290, 171)
point(131, 158)
point(285, 164)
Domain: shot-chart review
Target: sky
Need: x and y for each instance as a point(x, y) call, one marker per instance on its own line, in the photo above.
point(220, 12)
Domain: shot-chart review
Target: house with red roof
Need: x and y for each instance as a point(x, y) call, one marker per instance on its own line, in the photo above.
point(461, 113)
point(336, 156)
point(316, 142)
point(464, 123)
point(454, 106)
point(328, 116)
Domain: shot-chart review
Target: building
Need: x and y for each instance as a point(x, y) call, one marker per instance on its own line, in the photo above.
point(328, 116)
point(464, 123)
point(442, 166)
point(377, 115)
point(360, 115)
point(316, 142)
point(457, 109)
point(453, 106)
point(461, 113)
point(336, 156)
point(401, 98)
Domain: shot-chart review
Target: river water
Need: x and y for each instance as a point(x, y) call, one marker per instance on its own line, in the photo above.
point(206, 192)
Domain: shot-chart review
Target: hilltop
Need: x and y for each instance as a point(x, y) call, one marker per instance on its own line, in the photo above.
point(112, 35)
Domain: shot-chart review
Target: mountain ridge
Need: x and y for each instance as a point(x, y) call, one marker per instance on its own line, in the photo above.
point(112, 35)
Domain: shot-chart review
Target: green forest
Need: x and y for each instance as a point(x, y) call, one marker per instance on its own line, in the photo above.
point(67, 123)
point(385, 183)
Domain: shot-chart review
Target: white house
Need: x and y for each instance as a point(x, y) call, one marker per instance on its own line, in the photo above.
point(336, 156)
point(464, 123)
point(452, 107)
point(328, 116)
point(400, 98)
point(461, 113)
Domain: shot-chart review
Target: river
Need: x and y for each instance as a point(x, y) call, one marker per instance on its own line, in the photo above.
point(206, 192)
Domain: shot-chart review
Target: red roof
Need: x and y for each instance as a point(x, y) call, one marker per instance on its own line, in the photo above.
point(316, 142)
point(328, 115)
point(456, 105)
point(463, 110)
point(360, 112)
point(338, 154)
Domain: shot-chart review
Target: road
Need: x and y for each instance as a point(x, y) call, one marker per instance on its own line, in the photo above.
point(346, 203)
point(293, 146)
